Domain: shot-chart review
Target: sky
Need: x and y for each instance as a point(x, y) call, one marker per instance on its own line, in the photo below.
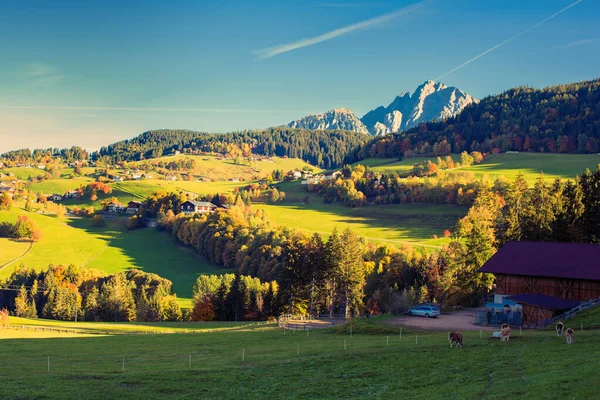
point(90, 73)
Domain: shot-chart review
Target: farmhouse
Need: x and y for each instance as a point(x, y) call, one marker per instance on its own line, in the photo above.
point(114, 207)
point(545, 278)
point(200, 207)
point(133, 207)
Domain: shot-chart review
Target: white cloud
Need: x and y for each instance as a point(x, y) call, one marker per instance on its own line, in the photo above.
point(518, 35)
point(369, 23)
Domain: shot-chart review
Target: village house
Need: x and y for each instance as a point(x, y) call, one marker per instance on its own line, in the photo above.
point(171, 177)
point(9, 190)
point(333, 175)
point(114, 207)
point(545, 278)
point(133, 207)
point(197, 207)
point(117, 178)
point(56, 197)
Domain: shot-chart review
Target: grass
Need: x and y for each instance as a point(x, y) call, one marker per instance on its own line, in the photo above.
point(403, 167)
point(11, 249)
point(536, 365)
point(397, 224)
point(589, 319)
point(215, 169)
point(59, 186)
point(508, 165)
point(24, 173)
point(110, 249)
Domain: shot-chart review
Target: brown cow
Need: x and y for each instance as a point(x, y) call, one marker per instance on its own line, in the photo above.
point(455, 337)
point(559, 329)
point(505, 333)
point(570, 335)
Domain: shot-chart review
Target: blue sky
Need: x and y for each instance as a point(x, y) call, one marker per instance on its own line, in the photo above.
point(90, 73)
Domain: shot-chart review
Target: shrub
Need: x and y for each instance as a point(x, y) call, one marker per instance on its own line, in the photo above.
point(98, 220)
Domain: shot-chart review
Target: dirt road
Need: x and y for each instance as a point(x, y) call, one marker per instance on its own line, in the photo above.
point(455, 321)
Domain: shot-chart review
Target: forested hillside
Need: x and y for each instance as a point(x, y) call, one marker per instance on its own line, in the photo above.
point(556, 119)
point(327, 149)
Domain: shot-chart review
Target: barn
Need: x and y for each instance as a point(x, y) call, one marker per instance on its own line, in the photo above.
point(545, 278)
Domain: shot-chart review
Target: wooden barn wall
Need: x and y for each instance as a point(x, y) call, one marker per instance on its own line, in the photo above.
point(534, 315)
point(563, 288)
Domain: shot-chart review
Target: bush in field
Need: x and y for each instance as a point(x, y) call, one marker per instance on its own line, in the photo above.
point(98, 220)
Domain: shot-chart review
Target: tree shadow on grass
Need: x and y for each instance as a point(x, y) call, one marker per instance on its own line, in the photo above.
point(149, 250)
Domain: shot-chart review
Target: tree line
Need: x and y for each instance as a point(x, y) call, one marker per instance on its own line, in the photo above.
point(326, 149)
point(70, 293)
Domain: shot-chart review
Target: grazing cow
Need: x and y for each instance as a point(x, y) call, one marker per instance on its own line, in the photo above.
point(559, 329)
point(455, 337)
point(505, 333)
point(4, 321)
point(570, 335)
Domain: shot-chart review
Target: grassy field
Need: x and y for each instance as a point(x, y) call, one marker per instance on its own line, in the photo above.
point(24, 173)
point(215, 169)
point(110, 249)
point(59, 186)
point(508, 165)
point(397, 224)
point(11, 249)
point(324, 364)
point(403, 167)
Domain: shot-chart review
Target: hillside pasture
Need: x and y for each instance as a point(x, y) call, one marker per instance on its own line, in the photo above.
point(257, 362)
point(221, 169)
point(24, 172)
point(110, 249)
point(59, 186)
point(531, 165)
point(403, 167)
point(414, 224)
point(11, 249)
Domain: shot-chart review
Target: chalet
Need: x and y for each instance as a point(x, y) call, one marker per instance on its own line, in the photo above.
point(545, 278)
point(56, 197)
point(9, 190)
point(333, 175)
point(197, 207)
point(115, 207)
point(171, 177)
point(133, 207)
point(117, 178)
point(136, 177)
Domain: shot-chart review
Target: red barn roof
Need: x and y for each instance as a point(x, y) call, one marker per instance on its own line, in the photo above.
point(556, 260)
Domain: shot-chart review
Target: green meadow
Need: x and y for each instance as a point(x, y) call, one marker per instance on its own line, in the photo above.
point(110, 249)
point(23, 172)
point(531, 165)
point(264, 362)
point(398, 224)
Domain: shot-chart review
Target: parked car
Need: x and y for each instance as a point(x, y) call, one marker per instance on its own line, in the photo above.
point(424, 311)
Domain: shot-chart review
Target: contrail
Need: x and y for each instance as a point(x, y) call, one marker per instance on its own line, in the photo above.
point(213, 110)
point(284, 48)
point(507, 40)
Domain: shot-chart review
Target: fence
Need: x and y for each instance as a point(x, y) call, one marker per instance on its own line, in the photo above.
point(126, 332)
point(572, 312)
point(491, 316)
